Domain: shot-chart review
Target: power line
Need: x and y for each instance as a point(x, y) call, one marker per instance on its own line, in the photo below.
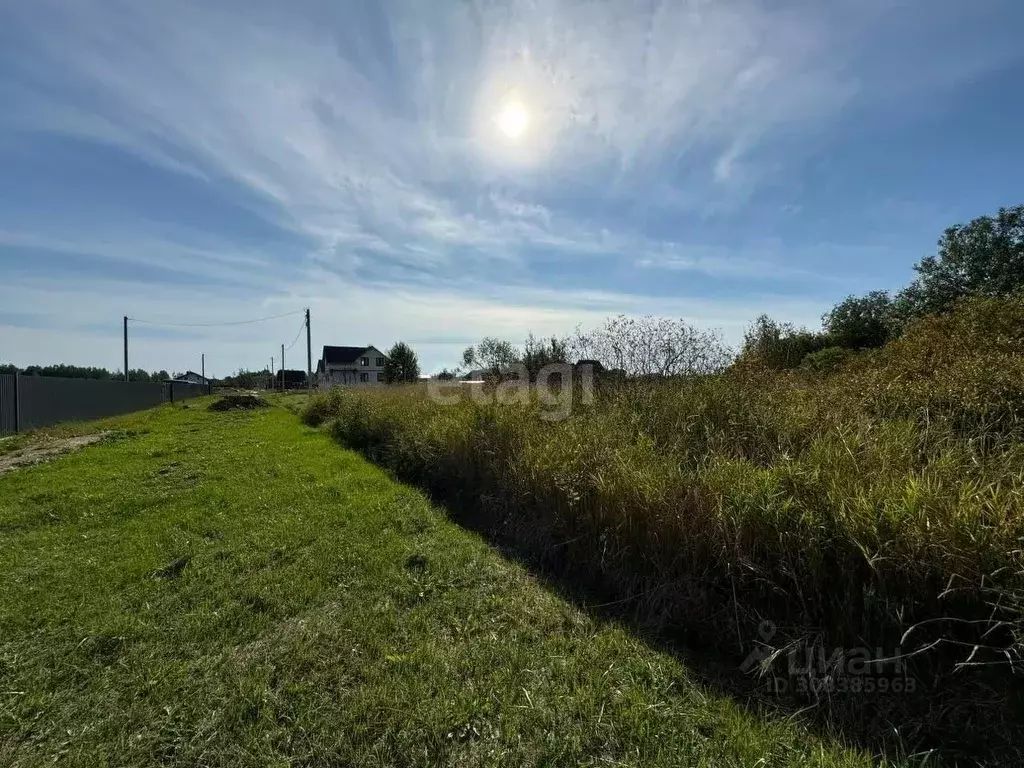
point(215, 325)
point(297, 335)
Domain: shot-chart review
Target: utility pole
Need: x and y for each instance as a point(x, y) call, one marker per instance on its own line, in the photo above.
point(126, 347)
point(309, 355)
point(202, 366)
point(282, 367)
point(271, 382)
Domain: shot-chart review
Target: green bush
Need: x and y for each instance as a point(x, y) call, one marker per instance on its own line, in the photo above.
point(860, 322)
point(780, 346)
point(826, 360)
point(321, 407)
point(965, 368)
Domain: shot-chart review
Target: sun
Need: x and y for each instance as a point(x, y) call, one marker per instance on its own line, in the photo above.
point(513, 120)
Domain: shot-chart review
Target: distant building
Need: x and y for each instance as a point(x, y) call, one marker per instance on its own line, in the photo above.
point(350, 366)
point(293, 379)
point(191, 377)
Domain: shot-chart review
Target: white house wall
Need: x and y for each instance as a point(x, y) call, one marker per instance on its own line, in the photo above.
point(348, 376)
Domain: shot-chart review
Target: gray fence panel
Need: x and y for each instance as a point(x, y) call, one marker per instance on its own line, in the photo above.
point(177, 391)
point(8, 403)
point(48, 400)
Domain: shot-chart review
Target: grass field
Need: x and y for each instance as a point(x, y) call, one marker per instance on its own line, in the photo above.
point(236, 589)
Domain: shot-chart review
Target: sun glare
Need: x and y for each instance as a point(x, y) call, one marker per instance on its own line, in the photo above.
point(513, 120)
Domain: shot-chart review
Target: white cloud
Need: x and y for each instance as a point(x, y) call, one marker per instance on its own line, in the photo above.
point(270, 100)
point(301, 113)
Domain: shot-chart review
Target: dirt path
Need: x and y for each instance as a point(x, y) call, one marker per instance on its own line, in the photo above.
point(45, 451)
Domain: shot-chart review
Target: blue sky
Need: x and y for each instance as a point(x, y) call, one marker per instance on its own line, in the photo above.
point(437, 172)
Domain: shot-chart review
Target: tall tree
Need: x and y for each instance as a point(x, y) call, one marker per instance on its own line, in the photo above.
point(538, 353)
point(402, 364)
point(984, 257)
point(492, 355)
point(860, 322)
point(649, 345)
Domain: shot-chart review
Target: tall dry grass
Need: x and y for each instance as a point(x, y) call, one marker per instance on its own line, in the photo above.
point(880, 505)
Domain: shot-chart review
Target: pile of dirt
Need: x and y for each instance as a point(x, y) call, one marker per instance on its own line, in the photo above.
point(238, 403)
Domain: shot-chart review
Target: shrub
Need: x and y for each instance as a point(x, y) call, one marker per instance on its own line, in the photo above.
point(965, 367)
point(321, 407)
point(779, 346)
point(826, 360)
point(537, 354)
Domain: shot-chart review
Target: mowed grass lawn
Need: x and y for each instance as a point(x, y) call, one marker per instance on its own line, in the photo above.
point(236, 589)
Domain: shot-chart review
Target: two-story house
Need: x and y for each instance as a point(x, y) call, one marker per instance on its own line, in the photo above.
point(347, 366)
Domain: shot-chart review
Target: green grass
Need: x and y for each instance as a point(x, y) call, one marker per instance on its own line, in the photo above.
point(235, 589)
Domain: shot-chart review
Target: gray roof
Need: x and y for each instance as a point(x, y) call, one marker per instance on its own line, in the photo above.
point(343, 355)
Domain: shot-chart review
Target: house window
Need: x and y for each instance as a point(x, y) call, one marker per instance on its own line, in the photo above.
point(364, 361)
point(380, 376)
point(380, 362)
point(364, 377)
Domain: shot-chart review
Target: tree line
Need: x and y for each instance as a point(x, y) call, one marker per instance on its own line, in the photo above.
point(984, 257)
point(84, 372)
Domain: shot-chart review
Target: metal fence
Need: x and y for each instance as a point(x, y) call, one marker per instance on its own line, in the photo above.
point(180, 390)
point(29, 402)
point(8, 403)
